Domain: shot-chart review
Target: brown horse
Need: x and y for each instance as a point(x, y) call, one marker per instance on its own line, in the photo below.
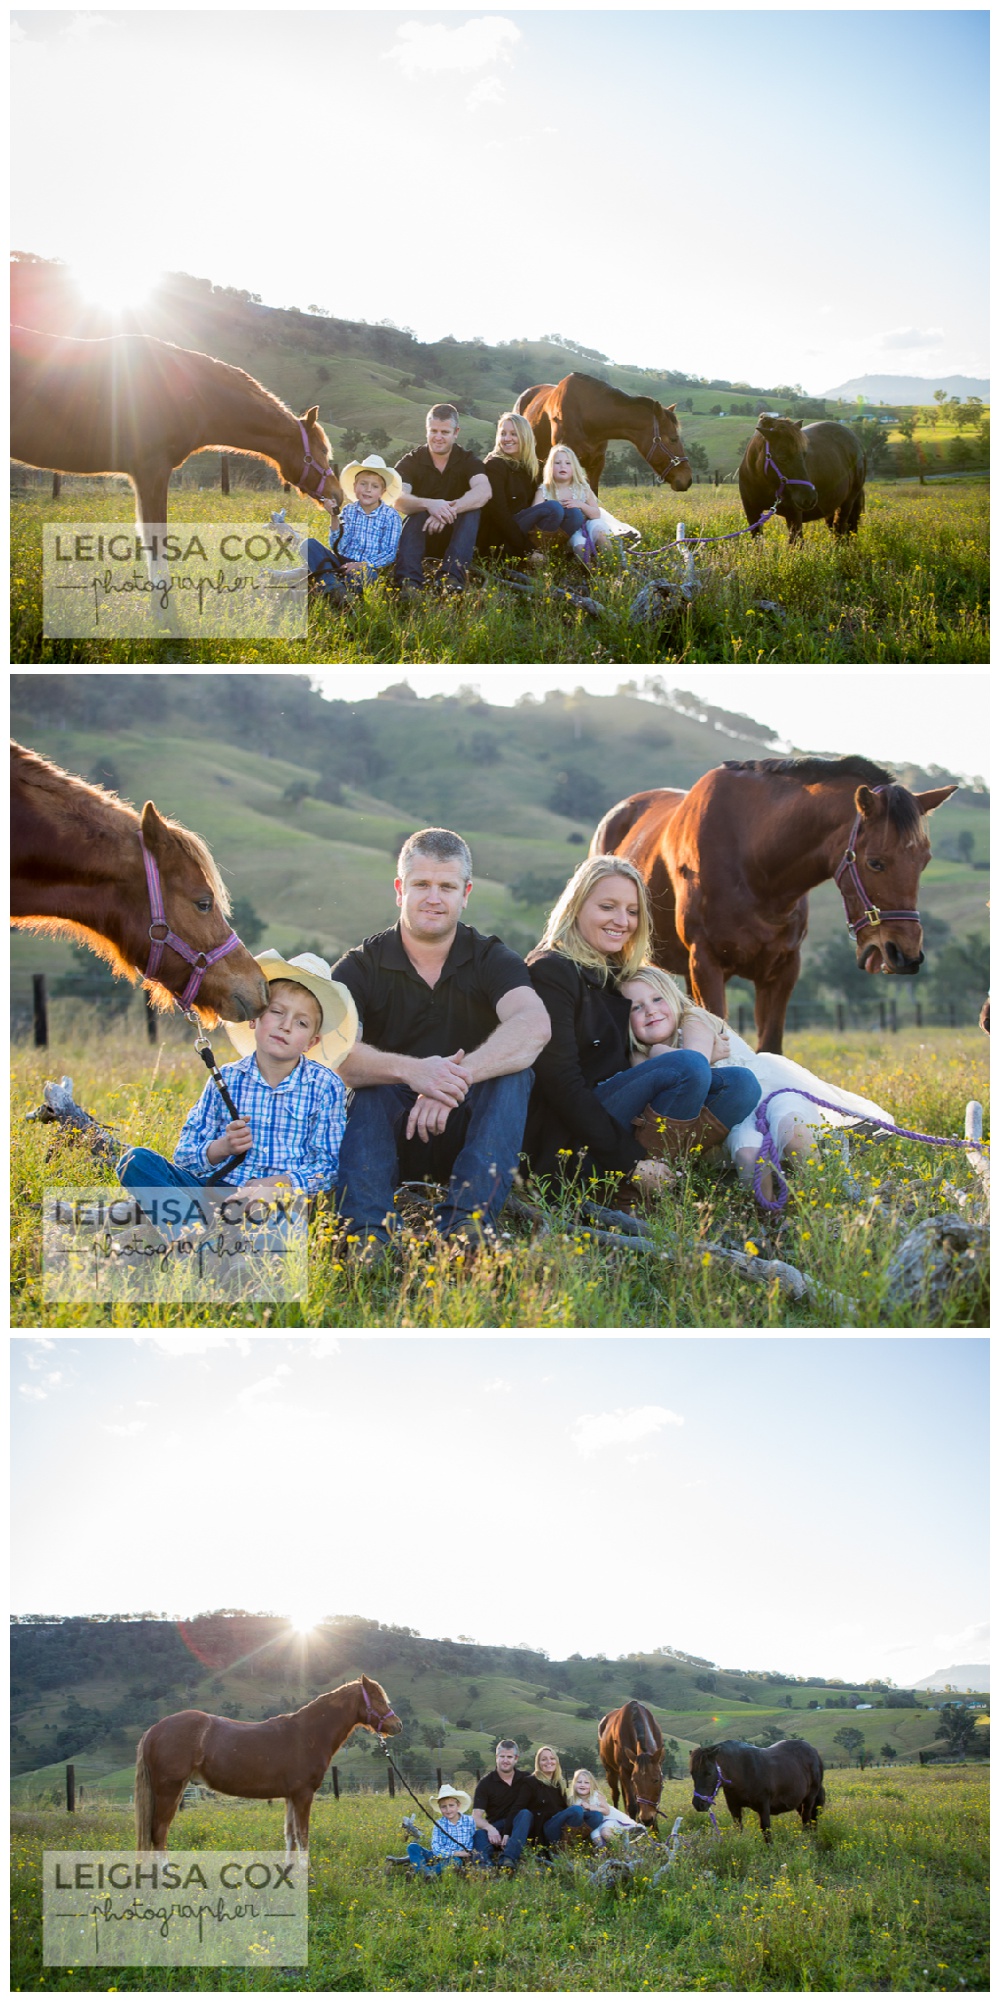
point(81, 862)
point(284, 1755)
point(630, 1743)
point(775, 1779)
point(583, 413)
point(131, 404)
point(810, 473)
point(729, 865)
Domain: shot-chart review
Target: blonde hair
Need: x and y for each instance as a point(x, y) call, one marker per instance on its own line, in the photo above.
point(583, 1772)
point(669, 990)
point(580, 483)
point(550, 1779)
point(562, 932)
point(526, 454)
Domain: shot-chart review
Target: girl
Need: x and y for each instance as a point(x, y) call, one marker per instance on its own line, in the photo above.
point(584, 1789)
point(662, 1018)
point(555, 1816)
point(565, 480)
point(515, 509)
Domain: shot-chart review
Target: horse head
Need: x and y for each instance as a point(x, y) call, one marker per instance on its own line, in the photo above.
point(375, 1710)
point(878, 876)
point(644, 1786)
point(195, 916)
point(666, 452)
point(784, 459)
point(705, 1779)
point(307, 464)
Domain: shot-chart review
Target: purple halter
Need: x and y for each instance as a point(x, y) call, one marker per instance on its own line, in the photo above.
point(870, 913)
point(708, 1798)
point(198, 961)
point(380, 1717)
point(679, 458)
point(784, 479)
point(310, 464)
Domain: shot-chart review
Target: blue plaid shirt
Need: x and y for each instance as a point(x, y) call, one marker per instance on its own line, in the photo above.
point(371, 539)
point(297, 1125)
point(459, 1836)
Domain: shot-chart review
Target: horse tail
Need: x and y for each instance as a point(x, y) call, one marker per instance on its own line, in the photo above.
point(821, 1796)
point(143, 1802)
point(520, 407)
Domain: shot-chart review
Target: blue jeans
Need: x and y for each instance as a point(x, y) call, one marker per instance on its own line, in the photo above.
point(423, 1862)
point(677, 1085)
point(476, 1154)
point(520, 1830)
point(142, 1169)
point(452, 546)
point(550, 515)
point(329, 570)
point(576, 1816)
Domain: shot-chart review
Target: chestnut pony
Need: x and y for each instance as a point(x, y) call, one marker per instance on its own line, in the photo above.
point(79, 869)
point(131, 404)
point(630, 1743)
point(583, 413)
point(729, 865)
point(284, 1755)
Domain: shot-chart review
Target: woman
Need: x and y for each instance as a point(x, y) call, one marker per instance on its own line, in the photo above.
point(663, 1018)
point(554, 1816)
point(589, 1108)
point(512, 512)
point(610, 1820)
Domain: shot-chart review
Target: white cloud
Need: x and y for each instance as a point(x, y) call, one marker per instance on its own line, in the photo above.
point(324, 1346)
point(489, 90)
point(913, 337)
point(32, 1390)
point(971, 1639)
point(422, 48)
point(193, 1344)
point(264, 1386)
point(496, 1383)
point(620, 1428)
point(126, 1431)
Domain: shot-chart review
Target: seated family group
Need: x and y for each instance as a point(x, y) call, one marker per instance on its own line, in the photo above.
point(442, 503)
point(511, 1809)
point(434, 1054)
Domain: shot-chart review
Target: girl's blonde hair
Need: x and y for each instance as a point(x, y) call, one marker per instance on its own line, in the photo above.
point(562, 932)
point(526, 455)
point(583, 1772)
point(671, 991)
point(581, 484)
point(550, 1779)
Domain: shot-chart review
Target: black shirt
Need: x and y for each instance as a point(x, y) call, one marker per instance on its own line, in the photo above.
point(589, 1044)
point(401, 1014)
point(418, 472)
point(500, 1802)
point(512, 488)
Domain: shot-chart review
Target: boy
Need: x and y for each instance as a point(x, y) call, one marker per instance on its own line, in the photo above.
point(290, 1101)
point(370, 530)
point(451, 1841)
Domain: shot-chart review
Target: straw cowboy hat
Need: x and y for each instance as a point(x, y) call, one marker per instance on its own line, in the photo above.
point(373, 464)
point(340, 1016)
point(447, 1792)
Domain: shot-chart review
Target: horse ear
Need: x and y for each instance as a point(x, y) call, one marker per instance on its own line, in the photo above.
point(864, 800)
point(311, 416)
point(154, 832)
point(928, 801)
point(670, 409)
point(797, 421)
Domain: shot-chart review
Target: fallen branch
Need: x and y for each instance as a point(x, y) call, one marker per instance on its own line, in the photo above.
point(58, 1106)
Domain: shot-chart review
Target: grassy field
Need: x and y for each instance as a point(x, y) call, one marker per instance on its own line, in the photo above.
point(843, 1240)
point(912, 587)
point(889, 1895)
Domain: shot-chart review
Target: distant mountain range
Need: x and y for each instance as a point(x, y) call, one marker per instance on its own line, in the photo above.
point(910, 388)
point(973, 1675)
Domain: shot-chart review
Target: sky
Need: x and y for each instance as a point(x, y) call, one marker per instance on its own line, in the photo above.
point(813, 1506)
point(771, 197)
point(894, 716)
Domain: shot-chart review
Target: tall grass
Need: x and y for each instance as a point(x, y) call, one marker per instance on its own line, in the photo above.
point(843, 1238)
point(891, 1894)
point(911, 587)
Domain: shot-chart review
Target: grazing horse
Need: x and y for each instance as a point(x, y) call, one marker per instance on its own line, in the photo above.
point(131, 404)
point(814, 472)
point(583, 413)
point(729, 865)
point(283, 1755)
point(772, 1780)
point(86, 866)
point(630, 1743)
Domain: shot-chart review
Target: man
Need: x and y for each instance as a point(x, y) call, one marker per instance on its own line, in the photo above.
point(440, 1074)
point(504, 1807)
point(444, 488)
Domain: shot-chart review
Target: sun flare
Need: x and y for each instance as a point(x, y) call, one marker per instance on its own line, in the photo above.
point(305, 1623)
point(116, 286)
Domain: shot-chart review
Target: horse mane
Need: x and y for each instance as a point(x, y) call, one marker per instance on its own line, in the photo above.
point(902, 809)
point(623, 396)
point(51, 778)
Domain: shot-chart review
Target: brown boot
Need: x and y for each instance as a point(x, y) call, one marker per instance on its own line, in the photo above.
point(673, 1139)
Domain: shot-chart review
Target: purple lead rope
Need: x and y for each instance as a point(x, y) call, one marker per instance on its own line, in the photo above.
point(769, 1152)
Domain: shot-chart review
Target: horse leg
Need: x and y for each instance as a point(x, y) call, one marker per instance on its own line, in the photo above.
point(764, 1817)
point(771, 998)
point(707, 979)
point(165, 1804)
point(151, 482)
point(297, 1810)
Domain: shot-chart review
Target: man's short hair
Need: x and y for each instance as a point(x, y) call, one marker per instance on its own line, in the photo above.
point(443, 410)
point(509, 1745)
point(439, 842)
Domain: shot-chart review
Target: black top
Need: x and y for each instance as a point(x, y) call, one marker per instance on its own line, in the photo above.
point(500, 1802)
point(418, 472)
point(589, 1044)
point(551, 1800)
point(511, 489)
point(400, 1013)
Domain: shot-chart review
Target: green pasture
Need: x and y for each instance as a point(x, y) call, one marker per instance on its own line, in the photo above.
point(842, 1239)
point(912, 587)
point(890, 1894)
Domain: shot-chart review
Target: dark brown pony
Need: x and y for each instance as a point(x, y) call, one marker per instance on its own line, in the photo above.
point(729, 865)
point(284, 1755)
point(775, 1779)
point(77, 871)
point(630, 1743)
point(583, 413)
point(812, 472)
point(131, 404)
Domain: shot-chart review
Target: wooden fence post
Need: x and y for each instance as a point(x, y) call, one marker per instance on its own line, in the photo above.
point(224, 472)
point(439, 1778)
point(392, 1783)
point(150, 1015)
point(918, 1014)
point(56, 485)
point(741, 1019)
point(840, 1018)
point(335, 1776)
point(71, 1789)
point(40, 1011)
